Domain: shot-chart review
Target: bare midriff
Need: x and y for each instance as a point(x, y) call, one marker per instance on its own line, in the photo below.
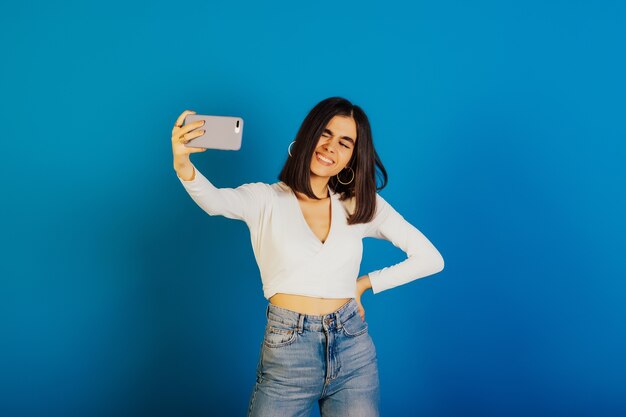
point(307, 305)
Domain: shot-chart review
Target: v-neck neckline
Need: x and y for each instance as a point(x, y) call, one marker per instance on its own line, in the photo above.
point(306, 225)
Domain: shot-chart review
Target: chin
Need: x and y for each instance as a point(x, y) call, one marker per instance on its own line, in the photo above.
point(322, 171)
point(319, 173)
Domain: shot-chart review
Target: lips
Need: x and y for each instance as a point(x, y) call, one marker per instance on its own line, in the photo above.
point(318, 154)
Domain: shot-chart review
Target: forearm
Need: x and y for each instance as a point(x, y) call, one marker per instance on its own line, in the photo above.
point(364, 282)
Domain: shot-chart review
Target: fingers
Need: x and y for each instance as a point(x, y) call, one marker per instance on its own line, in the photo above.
point(360, 308)
point(190, 135)
point(183, 134)
point(181, 118)
point(196, 150)
point(187, 128)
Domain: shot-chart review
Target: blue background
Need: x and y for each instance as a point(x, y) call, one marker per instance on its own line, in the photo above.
point(501, 125)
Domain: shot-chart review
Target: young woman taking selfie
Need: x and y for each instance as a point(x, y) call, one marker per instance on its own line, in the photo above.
point(306, 231)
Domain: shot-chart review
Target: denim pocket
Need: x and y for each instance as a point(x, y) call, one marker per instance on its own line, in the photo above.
point(354, 326)
point(278, 334)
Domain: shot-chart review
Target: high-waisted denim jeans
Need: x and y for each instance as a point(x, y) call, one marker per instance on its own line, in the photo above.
point(305, 358)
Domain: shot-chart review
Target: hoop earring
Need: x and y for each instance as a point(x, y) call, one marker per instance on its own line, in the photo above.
point(345, 183)
point(289, 148)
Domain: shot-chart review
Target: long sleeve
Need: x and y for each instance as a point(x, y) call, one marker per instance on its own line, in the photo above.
point(423, 258)
point(245, 202)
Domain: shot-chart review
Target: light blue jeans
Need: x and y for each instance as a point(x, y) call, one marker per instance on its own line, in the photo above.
point(305, 358)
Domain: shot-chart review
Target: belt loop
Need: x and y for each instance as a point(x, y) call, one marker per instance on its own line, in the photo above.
point(267, 311)
point(300, 323)
point(338, 321)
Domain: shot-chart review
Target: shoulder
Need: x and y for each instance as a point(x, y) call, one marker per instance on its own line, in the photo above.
point(279, 186)
point(255, 194)
point(382, 206)
point(349, 204)
point(382, 213)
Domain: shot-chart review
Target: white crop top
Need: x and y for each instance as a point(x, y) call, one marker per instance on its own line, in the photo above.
point(293, 260)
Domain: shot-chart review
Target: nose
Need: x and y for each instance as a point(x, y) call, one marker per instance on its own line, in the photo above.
point(330, 147)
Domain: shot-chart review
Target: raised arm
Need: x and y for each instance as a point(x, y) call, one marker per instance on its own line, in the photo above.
point(245, 202)
point(423, 258)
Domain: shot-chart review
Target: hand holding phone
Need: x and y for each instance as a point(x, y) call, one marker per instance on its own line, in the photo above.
point(220, 132)
point(183, 134)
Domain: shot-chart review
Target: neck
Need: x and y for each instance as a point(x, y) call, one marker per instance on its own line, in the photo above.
point(319, 185)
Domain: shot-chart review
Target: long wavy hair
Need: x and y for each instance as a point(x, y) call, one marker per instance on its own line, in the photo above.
point(296, 171)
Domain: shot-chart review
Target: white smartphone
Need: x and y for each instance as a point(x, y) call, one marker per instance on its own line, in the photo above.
point(221, 132)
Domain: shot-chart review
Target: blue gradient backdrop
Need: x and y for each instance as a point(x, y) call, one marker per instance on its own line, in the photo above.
point(501, 125)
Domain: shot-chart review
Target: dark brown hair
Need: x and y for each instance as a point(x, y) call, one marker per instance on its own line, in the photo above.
point(297, 169)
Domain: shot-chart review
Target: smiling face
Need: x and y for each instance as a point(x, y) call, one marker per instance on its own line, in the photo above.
point(336, 143)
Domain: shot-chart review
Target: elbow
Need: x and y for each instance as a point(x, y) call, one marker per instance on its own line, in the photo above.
point(439, 263)
point(431, 264)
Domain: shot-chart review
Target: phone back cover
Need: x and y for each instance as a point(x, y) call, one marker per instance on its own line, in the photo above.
point(221, 132)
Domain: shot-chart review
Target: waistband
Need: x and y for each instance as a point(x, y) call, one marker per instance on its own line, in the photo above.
point(309, 321)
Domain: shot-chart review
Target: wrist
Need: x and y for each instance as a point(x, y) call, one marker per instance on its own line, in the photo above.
point(364, 282)
point(181, 161)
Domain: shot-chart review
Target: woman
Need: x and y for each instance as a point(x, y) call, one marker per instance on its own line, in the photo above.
point(306, 232)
